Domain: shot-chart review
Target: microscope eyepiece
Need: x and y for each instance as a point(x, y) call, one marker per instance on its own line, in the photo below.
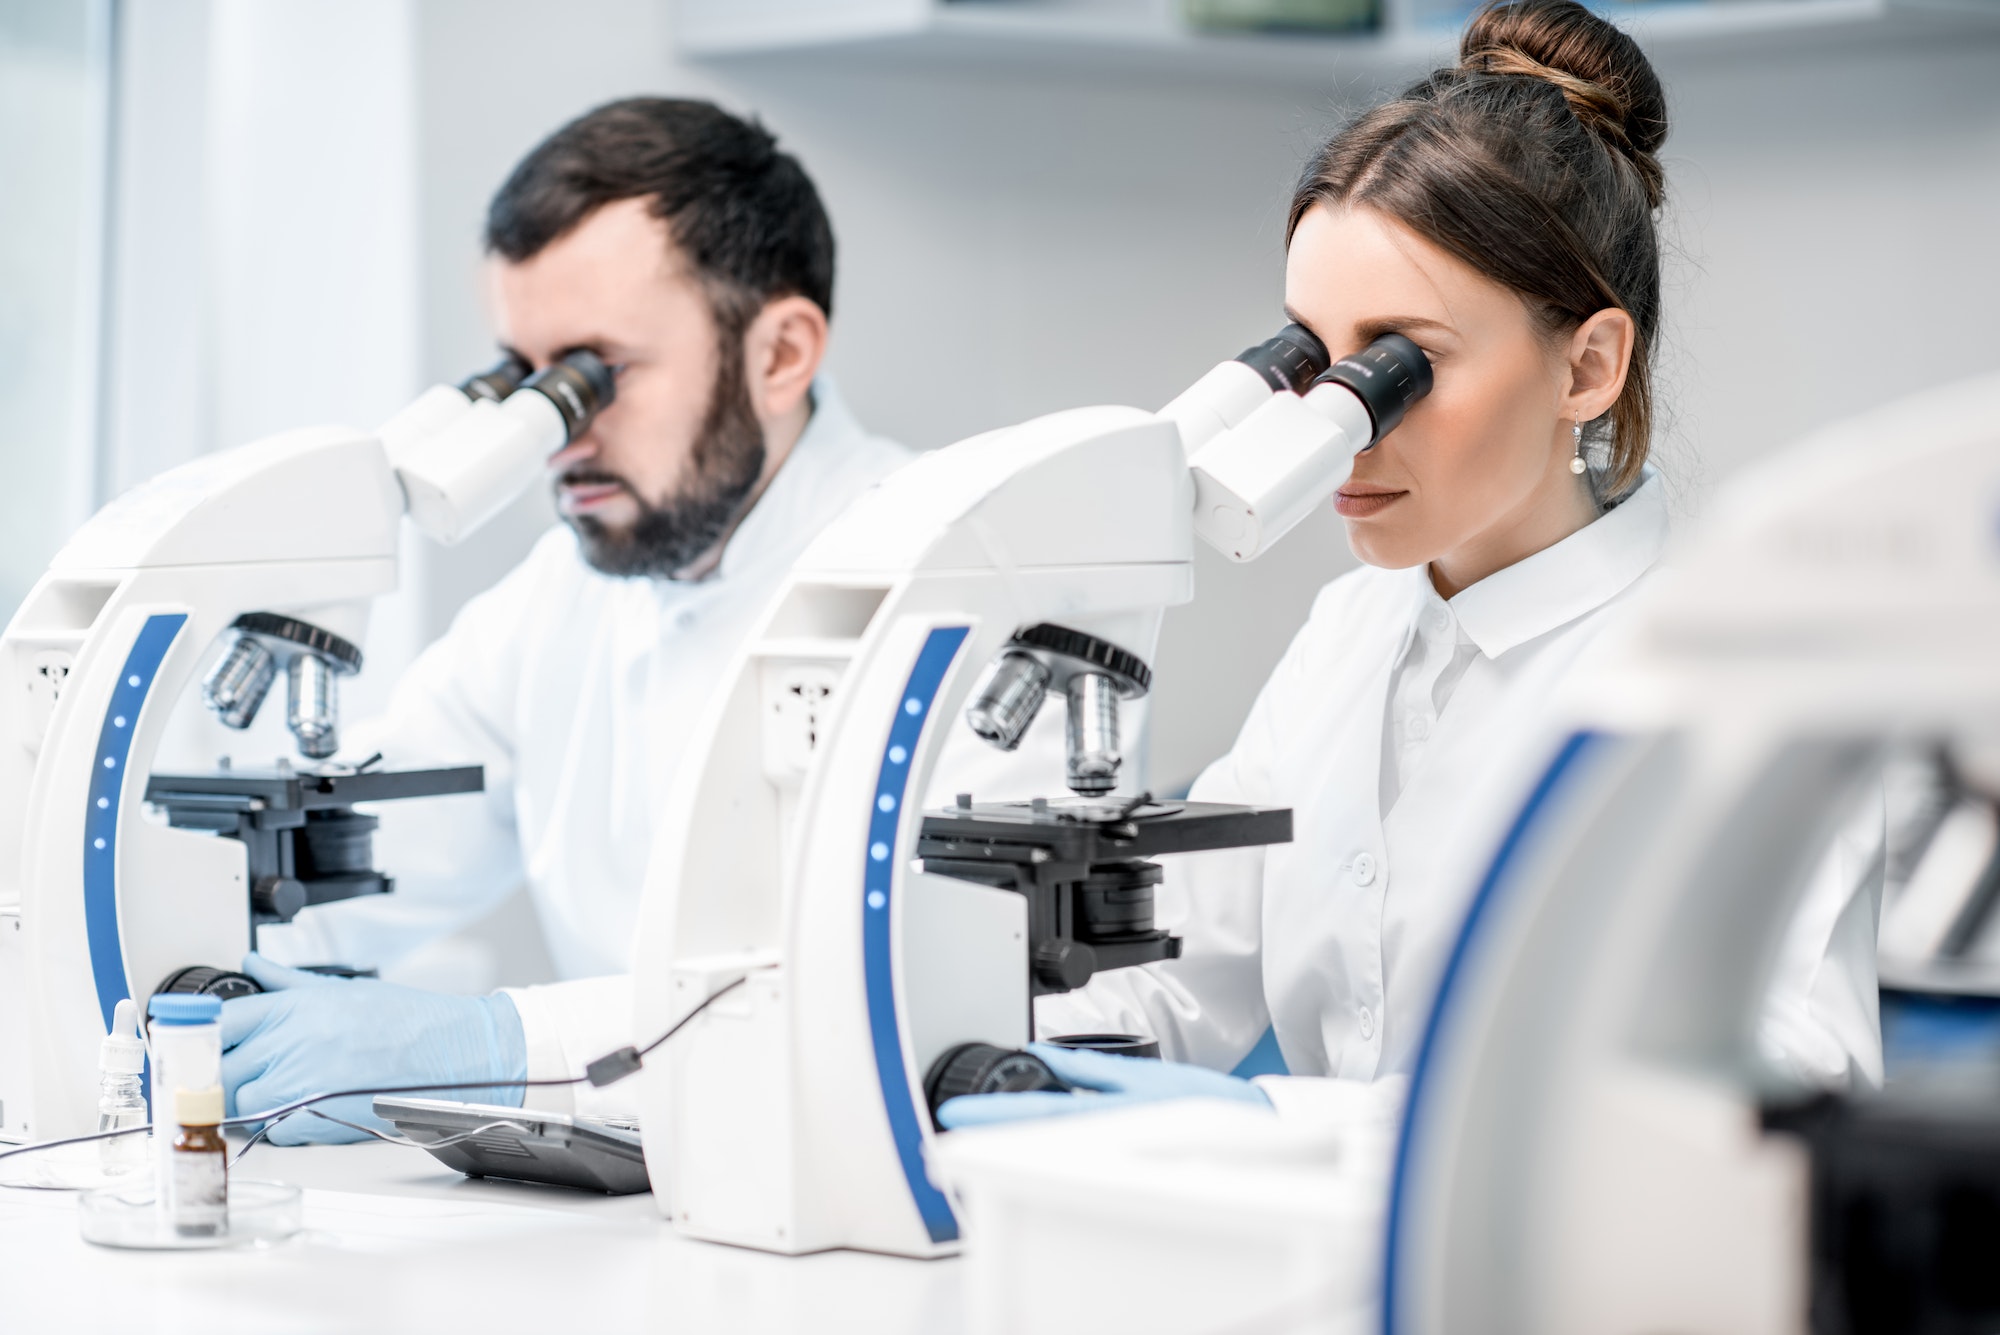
point(1289, 359)
point(497, 381)
point(580, 385)
point(1387, 376)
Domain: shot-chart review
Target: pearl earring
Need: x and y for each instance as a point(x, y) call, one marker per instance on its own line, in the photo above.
point(1576, 464)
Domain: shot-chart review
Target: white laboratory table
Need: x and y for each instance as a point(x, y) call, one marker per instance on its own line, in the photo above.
point(394, 1241)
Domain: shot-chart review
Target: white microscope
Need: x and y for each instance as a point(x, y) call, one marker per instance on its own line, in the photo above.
point(891, 954)
point(263, 560)
point(1592, 1142)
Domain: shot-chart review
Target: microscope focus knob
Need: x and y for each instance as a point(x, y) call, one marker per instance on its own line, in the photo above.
point(1064, 966)
point(984, 1068)
point(205, 980)
point(277, 899)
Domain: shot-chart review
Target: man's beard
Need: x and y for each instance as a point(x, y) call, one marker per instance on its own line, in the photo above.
point(724, 466)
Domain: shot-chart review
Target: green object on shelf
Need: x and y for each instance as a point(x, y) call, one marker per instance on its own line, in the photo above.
point(1294, 15)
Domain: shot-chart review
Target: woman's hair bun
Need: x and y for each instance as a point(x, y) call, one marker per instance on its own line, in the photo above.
point(1601, 71)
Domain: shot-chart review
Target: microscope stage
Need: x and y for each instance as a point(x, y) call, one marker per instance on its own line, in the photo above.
point(308, 790)
point(1081, 832)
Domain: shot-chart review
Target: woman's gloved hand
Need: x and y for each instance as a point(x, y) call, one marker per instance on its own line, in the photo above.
point(309, 1034)
point(1105, 1081)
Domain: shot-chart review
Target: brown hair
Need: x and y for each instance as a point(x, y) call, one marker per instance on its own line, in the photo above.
point(744, 213)
point(1533, 161)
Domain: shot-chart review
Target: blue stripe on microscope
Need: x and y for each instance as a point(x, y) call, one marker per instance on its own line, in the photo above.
point(878, 882)
point(100, 820)
point(1498, 875)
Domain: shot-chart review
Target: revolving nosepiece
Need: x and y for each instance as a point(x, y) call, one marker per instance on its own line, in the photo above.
point(1093, 674)
point(313, 659)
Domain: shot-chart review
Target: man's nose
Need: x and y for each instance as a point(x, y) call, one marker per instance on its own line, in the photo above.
point(581, 449)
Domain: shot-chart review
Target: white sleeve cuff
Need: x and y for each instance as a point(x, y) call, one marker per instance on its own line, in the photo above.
point(297, 943)
point(567, 1026)
point(1356, 1103)
point(545, 1053)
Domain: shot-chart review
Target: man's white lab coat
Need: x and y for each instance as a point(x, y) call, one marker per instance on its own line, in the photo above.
point(577, 692)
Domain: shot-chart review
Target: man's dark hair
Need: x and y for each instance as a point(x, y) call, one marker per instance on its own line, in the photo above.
point(744, 214)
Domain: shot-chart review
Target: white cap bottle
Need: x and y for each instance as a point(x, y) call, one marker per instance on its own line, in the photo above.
point(121, 1097)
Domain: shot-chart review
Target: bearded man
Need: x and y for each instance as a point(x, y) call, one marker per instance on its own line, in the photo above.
point(678, 243)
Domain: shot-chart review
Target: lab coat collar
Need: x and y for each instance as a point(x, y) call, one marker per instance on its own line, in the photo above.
point(1563, 582)
point(792, 503)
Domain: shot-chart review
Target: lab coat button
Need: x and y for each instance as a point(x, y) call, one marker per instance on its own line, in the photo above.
point(1364, 869)
point(1367, 1023)
point(1418, 728)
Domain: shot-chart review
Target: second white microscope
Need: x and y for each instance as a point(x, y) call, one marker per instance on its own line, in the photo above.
point(891, 954)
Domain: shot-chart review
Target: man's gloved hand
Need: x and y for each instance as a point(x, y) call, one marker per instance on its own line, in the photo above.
point(310, 1034)
point(1107, 1081)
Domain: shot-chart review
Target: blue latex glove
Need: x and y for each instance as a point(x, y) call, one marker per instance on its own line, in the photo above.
point(1107, 1081)
point(308, 1034)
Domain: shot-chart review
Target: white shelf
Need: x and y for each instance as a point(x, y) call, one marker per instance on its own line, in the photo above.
point(1149, 36)
point(1145, 35)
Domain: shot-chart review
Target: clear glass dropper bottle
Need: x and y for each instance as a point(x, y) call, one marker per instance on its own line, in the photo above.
point(121, 1097)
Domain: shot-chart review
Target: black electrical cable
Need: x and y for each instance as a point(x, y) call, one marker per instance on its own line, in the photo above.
point(606, 1070)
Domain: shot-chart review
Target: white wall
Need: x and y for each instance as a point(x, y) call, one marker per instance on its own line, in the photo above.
point(264, 254)
point(1014, 242)
point(54, 83)
point(1837, 219)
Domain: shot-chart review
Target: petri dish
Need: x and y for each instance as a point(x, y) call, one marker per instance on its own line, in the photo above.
point(129, 1216)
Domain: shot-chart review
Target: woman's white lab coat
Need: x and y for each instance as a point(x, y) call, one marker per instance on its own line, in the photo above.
point(1393, 729)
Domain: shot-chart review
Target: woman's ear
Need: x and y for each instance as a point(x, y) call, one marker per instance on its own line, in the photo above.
point(1600, 352)
point(782, 351)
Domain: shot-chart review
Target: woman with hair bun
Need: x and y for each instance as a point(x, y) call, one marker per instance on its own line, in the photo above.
point(1502, 214)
